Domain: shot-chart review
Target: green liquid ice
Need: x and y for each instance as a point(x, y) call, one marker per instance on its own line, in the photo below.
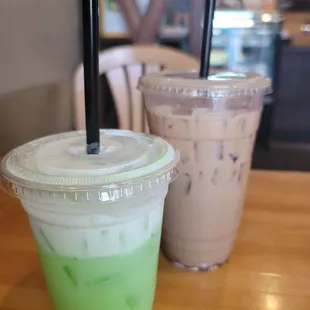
point(121, 282)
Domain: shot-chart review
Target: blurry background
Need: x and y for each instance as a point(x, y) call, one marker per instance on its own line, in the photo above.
point(41, 48)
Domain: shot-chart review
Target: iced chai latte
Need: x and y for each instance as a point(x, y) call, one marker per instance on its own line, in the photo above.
point(213, 123)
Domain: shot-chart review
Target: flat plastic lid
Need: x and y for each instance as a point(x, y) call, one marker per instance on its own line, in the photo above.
point(188, 84)
point(57, 167)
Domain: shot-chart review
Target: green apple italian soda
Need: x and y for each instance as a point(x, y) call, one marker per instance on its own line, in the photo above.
point(96, 219)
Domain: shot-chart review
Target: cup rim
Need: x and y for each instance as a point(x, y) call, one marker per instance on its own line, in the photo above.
point(221, 84)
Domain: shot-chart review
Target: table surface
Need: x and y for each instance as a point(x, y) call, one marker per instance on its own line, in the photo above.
point(269, 267)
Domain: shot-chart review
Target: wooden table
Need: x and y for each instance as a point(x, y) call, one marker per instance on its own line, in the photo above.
point(269, 268)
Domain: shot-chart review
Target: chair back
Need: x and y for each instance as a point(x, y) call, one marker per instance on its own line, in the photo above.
point(123, 66)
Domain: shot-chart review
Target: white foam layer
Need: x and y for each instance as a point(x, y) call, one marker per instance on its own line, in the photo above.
point(96, 235)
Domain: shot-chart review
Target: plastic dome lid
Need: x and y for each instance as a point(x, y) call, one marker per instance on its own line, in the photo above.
point(188, 84)
point(57, 167)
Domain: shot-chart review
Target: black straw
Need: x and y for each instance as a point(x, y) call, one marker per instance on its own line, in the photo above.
point(207, 38)
point(91, 73)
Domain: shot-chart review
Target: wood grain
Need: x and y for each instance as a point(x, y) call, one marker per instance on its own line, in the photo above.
point(142, 28)
point(132, 17)
point(269, 268)
point(151, 22)
point(195, 29)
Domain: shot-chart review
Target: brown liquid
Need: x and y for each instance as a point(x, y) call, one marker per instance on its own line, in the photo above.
point(204, 205)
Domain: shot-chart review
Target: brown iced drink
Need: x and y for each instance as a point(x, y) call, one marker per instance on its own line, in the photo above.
point(215, 135)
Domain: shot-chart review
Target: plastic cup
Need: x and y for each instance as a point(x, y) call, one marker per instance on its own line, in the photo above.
point(213, 122)
point(96, 219)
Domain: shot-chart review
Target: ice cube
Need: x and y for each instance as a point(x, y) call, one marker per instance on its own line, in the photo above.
point(132, 301)
point(187, 111)
point(71, 275)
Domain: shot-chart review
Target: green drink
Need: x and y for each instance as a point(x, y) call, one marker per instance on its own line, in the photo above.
point(96, 219)
point(123, 282)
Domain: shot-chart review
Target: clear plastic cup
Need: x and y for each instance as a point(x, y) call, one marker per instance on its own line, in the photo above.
point(213, 122)
point(96, 219)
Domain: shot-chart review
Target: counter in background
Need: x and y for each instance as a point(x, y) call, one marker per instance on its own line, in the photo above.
point(296, 25)
point(289, 138)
